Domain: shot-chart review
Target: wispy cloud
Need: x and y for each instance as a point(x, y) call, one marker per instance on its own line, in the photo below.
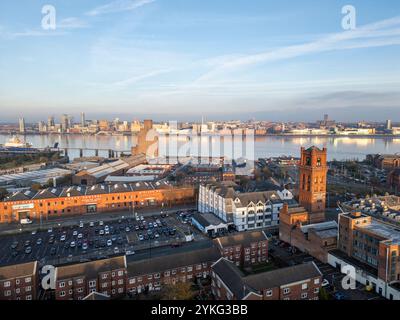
point(118, 6)
point(72, 23)
point(30, 33)
point(381, 33)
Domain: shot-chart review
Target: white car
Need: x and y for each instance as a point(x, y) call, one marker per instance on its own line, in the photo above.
point(75, 233)
point(109, 243)
point(116, 250)
point(73, 244)
point(26, 221)
point(91, 224)
point(84, 246)
point(141, 218)
point(63, 237)
point(130, 253)
point(107, 231)
point(101, 223)
point(50, 230)
point(81, 224)
point(101, 232)
point(80, 236)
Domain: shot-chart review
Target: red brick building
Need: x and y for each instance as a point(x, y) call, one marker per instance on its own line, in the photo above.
point(316, 239)
point(312, 186)
point(19, 282)
point(107, 276)
point(299, 282)
point(244, 248)
point(183, 265)
point(99, 198)
point(394, 179)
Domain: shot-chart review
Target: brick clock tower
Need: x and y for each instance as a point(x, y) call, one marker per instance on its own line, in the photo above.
point(312, 186)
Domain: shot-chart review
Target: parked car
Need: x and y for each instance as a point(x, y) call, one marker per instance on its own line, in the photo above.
point(109, 243)
point(130, 252)
point(28, 250)
point(53, 251)
point(116, 250)
point(39, 241)
point(72, 244)
point(63, 238)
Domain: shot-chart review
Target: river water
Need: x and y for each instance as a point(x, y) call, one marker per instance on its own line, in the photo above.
point(339, 148)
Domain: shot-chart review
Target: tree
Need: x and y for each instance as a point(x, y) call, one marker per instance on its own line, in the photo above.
point(323, 294)
point(36, 187)
point(179, 291)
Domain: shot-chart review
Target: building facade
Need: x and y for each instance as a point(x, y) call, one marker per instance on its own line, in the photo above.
point(244, 211)
point(19, 282)
point(299, 282)
point(312, 182)
point(371, 242)
point(99, 198)
point(315, 239)
point(108, 276)
point(245, 248)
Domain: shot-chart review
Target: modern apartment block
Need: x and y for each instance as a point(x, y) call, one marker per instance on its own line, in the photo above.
point(299, 282)
point(19, 282)
point(244, 248)
point(243, 211)
point(371, 242)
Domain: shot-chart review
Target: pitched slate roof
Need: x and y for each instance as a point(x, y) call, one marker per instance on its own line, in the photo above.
point(173, 261)
point(242, 238)
point(283, 276)
point(90, 269)
point(18, 270)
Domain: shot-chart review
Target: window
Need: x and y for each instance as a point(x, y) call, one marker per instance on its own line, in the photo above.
point(304, 295)
point(62, 294)
point(316, 290)
point(104, 276)
point(104, 285)
point(121, 281)
point(132, 281)
point(79, 281)
point(269, 293)
point(29, 297)
point(304, 286)
point(7, 284)
point(28, 289)
point(286, 291)
point(316, 281)
point(92, 283)
point(80, 290)
point(62, 284)
point(120, 273)
point(17, 281)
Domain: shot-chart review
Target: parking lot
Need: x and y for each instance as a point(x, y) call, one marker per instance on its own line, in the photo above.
point(90, 240)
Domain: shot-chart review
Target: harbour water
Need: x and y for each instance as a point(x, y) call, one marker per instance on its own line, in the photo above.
point(339, 148)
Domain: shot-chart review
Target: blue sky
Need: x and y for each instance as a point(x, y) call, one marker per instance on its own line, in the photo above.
point(187, 58)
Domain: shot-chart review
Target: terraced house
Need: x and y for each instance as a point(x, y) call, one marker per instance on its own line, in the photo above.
point(299, 282)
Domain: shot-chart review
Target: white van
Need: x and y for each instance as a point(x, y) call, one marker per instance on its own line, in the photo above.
point(26, 221)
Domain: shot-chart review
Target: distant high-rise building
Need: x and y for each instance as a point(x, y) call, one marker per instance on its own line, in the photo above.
point(50, 122)
point(83, 120)
point(326, 118)
point(22, 125)
point(65, 122)
point(389, 124)
point(41, 126)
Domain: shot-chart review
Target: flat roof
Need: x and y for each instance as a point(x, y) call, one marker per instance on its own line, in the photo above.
point(383, 230)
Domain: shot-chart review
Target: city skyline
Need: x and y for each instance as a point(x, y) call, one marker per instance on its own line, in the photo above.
point(158, 59)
